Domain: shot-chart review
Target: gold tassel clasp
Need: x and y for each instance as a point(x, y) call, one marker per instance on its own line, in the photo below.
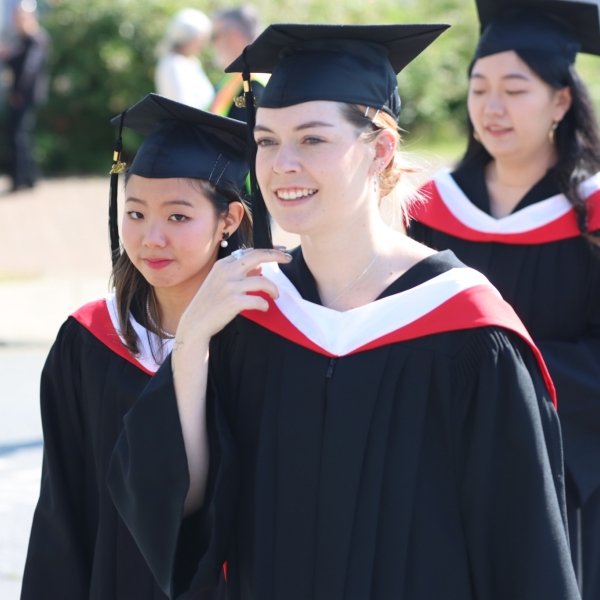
point(118, 167)
point(240, 102)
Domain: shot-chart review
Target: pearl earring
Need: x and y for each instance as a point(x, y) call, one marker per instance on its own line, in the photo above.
point(224, 242)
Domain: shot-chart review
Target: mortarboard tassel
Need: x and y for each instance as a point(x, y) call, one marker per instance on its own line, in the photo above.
point(261, 226)
point(113, 220)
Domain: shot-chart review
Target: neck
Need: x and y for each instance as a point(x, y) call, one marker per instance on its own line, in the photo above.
point(340, 256)
point(517, 173)
point(173, 302)
point(509, 179)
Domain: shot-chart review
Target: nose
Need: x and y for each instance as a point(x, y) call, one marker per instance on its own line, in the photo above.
point(154, 235)
point(494, 105)
point(286, 160)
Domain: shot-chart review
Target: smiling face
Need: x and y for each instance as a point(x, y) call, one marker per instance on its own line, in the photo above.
point(170, 231)
point(313, 171)
point(512, 109)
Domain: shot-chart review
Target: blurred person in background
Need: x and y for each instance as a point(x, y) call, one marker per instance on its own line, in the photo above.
point(523, 207)
point(179, 74)
point(27, 60)
point(233, 30)
point(183, 210)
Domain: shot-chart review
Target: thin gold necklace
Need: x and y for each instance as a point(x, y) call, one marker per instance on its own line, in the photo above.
point(354, 282)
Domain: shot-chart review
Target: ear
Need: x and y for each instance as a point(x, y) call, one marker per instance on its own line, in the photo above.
point(385, 149)
point(233, 219)
point(563, 101)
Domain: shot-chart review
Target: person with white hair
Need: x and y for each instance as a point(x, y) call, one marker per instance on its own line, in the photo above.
point(179, 73)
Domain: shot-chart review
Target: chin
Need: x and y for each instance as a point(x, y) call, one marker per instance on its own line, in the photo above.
point(295, 226)
point(160, 282)
point(503, 150)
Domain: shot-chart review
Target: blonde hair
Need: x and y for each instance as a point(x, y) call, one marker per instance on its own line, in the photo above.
point(398, 188)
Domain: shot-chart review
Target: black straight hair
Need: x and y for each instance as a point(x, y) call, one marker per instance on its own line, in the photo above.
point(577, 136)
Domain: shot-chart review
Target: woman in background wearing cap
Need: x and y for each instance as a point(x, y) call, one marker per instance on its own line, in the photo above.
point(182, 212)
point(523, 207)
point(179, 73)
point(379, 424)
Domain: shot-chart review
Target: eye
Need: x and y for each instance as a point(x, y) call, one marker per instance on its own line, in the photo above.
point(312, 141)
point(134, 214)
point(515, 92)
point(264, 142)
point(178, 218)
point(477, 92)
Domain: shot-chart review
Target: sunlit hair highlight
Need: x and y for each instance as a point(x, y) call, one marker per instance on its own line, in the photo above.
point(397, 190)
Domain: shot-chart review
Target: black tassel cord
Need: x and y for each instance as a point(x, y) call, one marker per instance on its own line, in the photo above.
point(113, 218)
point(261, 224)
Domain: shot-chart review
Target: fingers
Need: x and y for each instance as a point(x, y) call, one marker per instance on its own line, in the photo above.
point(255, 258)
point(254, 303)
point(257, 284)
point(246, 260)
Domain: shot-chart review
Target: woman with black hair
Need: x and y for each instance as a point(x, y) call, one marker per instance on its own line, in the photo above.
point(523, 207)
point(183, 211)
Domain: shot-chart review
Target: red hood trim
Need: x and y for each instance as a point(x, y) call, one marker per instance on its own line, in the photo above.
point(435, 214)
point(478, 306)
point(95, 317)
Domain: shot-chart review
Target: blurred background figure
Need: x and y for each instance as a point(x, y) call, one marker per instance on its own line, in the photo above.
point(26, 59)
point(233, 30)
point(179, 73)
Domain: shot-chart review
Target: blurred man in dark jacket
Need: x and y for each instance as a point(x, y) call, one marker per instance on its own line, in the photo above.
point(27, 58)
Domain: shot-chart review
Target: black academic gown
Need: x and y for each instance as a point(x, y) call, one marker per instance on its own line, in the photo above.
point(79, 547)
point(421, 470)
point(555, 289)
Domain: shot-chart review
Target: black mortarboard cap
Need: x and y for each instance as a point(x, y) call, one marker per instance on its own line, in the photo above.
point(343, 63)
point(560, 27)
point(181, 141)
point(355, 64)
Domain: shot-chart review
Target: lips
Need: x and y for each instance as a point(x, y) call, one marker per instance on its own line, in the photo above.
point(497, 131)
point(157, 263)
point(294, 193)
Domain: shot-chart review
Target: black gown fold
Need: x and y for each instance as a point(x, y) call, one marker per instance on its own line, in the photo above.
point(79, 547)
point(555, 290)
point(425, 469)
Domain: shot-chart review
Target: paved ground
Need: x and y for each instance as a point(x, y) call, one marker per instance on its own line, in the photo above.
point(20, 459)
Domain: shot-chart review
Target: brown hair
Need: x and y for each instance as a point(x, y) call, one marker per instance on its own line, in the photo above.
point(134, 293)
point(395, 177)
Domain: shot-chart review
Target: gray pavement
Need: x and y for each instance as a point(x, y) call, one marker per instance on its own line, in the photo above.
point(53, 258)
point(20, 459)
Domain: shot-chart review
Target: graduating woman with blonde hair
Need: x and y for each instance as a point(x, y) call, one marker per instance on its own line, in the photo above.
point(360, 418)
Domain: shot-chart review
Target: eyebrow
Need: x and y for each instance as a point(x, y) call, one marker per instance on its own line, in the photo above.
point(509, 76)
point(308, 125)
point(167, 203)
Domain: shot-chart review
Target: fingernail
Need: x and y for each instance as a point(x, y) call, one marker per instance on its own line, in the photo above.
point(288, 255)
point(279, 247)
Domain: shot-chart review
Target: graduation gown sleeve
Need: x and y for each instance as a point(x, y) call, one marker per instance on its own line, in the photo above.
point(509, 474)
point(575, 369)
point(58, 559)
point(149, 461)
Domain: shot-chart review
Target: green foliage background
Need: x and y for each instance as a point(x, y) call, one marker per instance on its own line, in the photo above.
point(103, 61)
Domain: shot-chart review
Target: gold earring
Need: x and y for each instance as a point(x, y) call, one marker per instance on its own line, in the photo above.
point(476, 136)
point(551, 133)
